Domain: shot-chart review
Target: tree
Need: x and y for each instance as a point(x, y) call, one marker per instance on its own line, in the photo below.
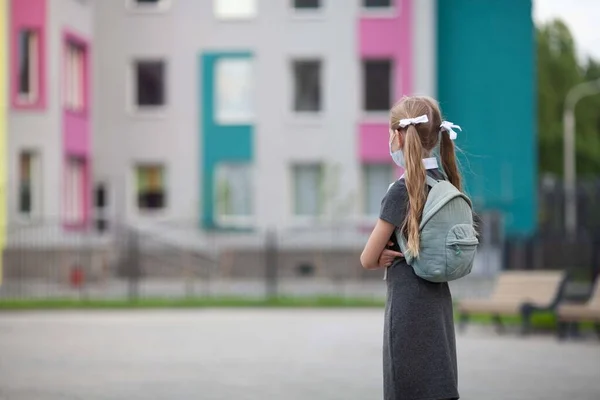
point(558, 72)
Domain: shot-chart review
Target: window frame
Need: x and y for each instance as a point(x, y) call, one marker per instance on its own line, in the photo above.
point(392, 11)
point(234, 220)
point(320, 6)
point(316, 13)
point(132, 88)
point(321, 86)
point(70, 43)
point(33, 98)
point(308, 218)
point(149, 212)
point(365, 185)
point(236, 18)
point(75, 218)
point(162, 6)
point(380, 113)
point(36, 186)
point(227, 118)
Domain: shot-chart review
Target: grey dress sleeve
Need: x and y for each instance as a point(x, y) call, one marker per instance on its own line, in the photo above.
point(394, 204)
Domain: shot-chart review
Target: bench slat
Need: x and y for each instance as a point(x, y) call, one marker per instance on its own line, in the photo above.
point(514, 288)
point(589, 311)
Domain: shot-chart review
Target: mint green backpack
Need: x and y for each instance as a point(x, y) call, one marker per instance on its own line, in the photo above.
point(448, 237)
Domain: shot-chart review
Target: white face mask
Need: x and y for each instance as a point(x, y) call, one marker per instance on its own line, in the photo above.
point(397, 156)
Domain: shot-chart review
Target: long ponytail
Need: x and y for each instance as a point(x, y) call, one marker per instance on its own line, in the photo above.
point(448, 156)
point(419, 141)
point(415, 178)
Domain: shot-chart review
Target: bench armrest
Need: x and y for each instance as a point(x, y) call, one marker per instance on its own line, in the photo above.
point(556, 301)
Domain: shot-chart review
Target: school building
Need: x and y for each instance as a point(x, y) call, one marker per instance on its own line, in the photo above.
point(3, 111)
point(241, 115)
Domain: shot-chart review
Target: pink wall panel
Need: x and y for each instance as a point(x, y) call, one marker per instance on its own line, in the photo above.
point(77, 123)
point(373, 143)
point(28, 14)
point(388, 36)
point(76, 134)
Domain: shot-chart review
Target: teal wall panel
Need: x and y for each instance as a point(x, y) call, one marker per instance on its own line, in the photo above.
point(487, 84)
point(219, 143)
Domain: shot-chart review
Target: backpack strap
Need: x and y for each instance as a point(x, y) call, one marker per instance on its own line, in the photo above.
point(403, 244)
point(431, 182)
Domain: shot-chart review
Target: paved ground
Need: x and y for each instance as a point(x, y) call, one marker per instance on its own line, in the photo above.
point(261, 354)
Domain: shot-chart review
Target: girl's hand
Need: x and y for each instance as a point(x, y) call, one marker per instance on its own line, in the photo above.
point(388, 256)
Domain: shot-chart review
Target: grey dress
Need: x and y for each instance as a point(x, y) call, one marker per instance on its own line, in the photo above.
point(419, 347)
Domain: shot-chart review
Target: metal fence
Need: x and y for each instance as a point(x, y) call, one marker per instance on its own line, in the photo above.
point(552, 206)
point(552, 248)
point(176, 260)
point(46, 259)
point(49, 260)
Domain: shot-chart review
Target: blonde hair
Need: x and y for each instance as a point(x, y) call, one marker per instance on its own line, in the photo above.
point(419, 141)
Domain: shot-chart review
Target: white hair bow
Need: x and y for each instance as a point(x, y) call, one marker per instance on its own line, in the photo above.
point(448, 127)
point(413, 121)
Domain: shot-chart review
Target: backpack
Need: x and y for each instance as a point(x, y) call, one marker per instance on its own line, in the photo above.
point(448, 237)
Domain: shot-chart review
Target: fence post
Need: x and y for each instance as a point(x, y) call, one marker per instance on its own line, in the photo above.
point(595, 256)
point(271, 261)
point(133, 267)
point(538, 253)
point(208, 276)
point(188, 273)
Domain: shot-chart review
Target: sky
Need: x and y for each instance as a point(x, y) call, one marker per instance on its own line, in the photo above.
point(581, 16)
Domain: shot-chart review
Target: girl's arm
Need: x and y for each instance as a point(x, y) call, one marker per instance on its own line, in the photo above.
point(376, 245)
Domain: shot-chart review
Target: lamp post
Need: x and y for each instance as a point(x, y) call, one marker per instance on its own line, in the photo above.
point(573, 96)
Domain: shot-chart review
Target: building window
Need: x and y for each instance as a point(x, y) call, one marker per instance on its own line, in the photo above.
point(150, 84)
point(306, 4)
point(234, 91)
point(377, 4)
point(28, 64)
point(308, 180)
point(29, 174)
point(233, 191)
point(151, 191)
point(75, 190)
point(74, 77)
point(307, 85)
point(377, 81)
point(377, 179)
point(235, 9)
point(149, 5)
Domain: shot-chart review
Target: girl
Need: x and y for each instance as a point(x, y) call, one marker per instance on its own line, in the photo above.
point(419, 348)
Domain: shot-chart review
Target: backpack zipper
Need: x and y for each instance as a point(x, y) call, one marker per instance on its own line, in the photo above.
point(463, 242)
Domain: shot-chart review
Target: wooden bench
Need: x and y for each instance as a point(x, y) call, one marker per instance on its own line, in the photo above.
point(569, 314)
point(517, 293)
